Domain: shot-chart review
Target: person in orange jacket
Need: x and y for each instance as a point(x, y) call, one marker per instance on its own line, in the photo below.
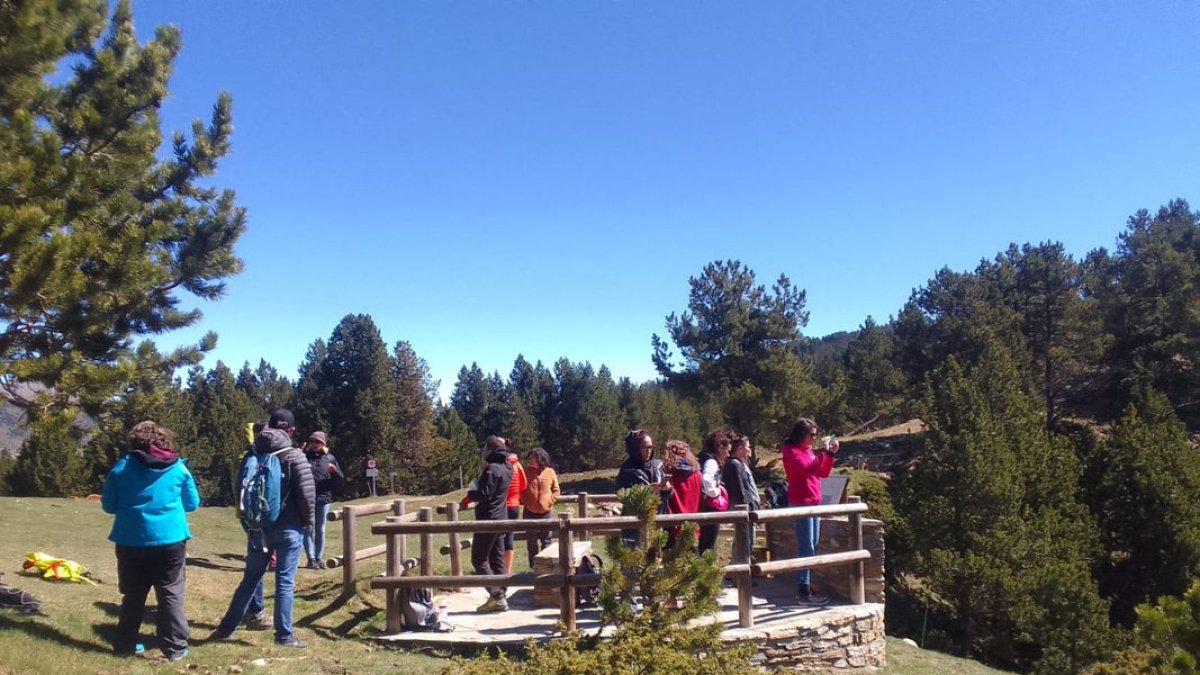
point(539, 498)
point(515, 488)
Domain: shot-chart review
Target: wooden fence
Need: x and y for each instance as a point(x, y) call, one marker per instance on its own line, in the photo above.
point(398, 526)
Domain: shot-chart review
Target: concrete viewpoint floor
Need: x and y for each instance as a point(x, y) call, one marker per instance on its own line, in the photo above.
point(773, 611)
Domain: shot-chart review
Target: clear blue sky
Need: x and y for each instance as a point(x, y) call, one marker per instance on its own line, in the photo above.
point(488, 179)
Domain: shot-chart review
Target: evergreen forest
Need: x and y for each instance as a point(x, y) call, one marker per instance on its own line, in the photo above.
point(1048, 519)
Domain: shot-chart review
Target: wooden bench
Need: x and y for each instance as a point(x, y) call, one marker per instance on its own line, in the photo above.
point(546, 562)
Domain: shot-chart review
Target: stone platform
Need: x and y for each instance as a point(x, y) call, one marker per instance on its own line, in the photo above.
point(847, 637)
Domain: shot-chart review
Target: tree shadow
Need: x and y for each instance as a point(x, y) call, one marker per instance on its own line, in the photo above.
point(339, 631)
point(240, 557)
point(208, 564)
point(33, 627)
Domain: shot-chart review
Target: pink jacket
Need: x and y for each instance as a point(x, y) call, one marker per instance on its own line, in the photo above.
point(804, 470)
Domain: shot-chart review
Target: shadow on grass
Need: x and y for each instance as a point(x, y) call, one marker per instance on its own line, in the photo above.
point(33, 627)
point(340, 631)
point(210, 565)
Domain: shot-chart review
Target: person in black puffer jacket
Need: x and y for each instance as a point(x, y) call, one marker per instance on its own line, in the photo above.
point(490, 494)
point(284, 537)
point(328, 477)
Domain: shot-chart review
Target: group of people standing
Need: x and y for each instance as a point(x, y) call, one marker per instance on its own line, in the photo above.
point(721, 478)
point(150, 490)
point(499, 493)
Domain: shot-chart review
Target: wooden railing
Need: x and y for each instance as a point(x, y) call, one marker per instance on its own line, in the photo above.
point(567, 527)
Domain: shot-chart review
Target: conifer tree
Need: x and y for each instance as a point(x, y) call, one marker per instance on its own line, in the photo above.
point(1148, 296)
point(738, 345)
point(471, 398)
point(220, 410)
point(998, 537)
point(1143, 485)
point(265, 386)
point(98, 233)
point(415, 390)
point(873, 381)
point(454, 459)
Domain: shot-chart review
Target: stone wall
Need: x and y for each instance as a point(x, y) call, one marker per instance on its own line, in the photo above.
point(835, 537)
point(850, 638)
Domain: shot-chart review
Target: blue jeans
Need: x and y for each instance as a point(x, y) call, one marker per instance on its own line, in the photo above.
point(808, 531)
point(286, 542)
point(314, 544)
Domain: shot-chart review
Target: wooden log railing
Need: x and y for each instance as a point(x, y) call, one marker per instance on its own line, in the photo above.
point(350, 554)
point(567, 527)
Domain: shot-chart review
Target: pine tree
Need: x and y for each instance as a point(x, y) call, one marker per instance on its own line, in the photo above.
point(220, 410)
point(1001, 543)
point(357, 390)
point(471, 398)
point(415, 390)
point(873, 382)
point(454, 460)
point(738, 345)
point(265, 386)
point(99, 233)
point(1148, 296)
point(1143, 485)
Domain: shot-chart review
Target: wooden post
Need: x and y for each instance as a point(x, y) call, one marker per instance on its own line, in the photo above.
point(394, 569)
point(741, 530)
point(566, 567)
point(455, 546)
point(349, 560)
point(858, 593)
point(426, 543)
point(583, 513)
point(398, 508)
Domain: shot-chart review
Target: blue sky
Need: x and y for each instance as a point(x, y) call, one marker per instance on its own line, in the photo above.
point(489, 179)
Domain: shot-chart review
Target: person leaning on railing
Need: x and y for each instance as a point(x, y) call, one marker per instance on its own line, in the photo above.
point(539, 497)
point(739, 481)
point(805, 467)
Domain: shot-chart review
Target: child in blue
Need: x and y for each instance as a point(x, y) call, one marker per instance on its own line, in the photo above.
point(150, 491)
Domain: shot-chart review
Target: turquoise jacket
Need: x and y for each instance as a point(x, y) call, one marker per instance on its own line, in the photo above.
point(150, 492)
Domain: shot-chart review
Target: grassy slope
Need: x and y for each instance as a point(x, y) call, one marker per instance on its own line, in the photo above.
point(73, 636)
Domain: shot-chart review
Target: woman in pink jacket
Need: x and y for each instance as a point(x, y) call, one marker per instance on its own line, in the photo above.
point(805, 467)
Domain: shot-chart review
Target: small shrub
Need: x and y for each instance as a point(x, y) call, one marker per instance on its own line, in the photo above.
point(659, 638)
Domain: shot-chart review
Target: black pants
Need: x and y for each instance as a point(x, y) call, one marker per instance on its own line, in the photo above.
point(487, 557)
point(708, 533)
point(535, 542)
point(138, 569)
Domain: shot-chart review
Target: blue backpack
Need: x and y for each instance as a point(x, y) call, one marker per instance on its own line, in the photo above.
point(262, 482)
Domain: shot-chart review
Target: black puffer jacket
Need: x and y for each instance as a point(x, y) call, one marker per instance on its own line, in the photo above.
point(327, 475)
point(491, 491)
point(298, 492)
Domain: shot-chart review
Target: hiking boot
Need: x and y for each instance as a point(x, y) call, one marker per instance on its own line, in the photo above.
point(493, 605)
point(811, 599)
point(321, 565)
point(313, 565)
point(176, 656)
point(293, 641)
point(137, 649)
point(259, 622)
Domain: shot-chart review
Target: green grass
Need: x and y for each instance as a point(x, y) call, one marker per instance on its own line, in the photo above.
point(74, 633)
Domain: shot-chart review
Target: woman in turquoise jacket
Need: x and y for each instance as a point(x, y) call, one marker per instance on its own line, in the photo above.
point(150, 491)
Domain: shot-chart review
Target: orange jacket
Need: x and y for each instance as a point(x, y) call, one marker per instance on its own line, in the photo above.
point(543, 491)
point(517, 486)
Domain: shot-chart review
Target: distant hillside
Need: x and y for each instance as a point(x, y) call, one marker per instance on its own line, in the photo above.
point(12, 431)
